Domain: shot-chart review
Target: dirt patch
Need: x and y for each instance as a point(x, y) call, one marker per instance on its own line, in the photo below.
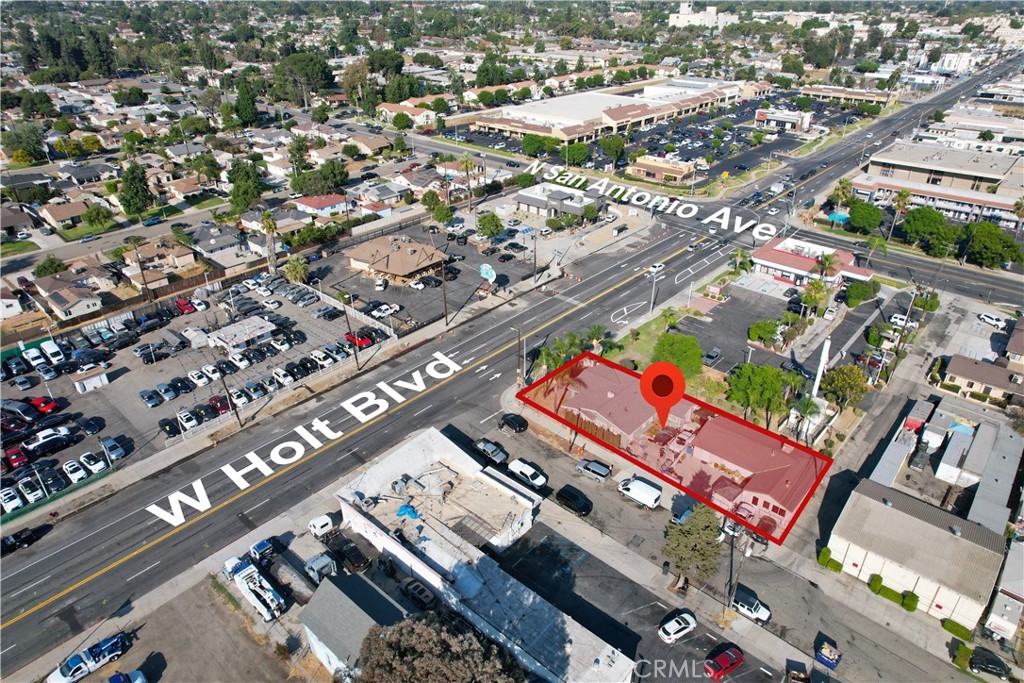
point(197, 637)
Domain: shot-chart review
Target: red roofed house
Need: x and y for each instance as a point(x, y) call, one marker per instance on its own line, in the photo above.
point(324, 205)
point(796, 261)
point(420, 117)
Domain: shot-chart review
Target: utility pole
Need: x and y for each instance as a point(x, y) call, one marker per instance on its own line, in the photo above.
point(227, 396)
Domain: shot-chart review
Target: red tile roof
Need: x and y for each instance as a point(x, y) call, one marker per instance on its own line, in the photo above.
point(797, 262)
point(321, 201)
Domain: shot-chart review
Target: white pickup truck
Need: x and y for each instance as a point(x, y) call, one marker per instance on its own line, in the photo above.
point(81, 664)
point(491, 451)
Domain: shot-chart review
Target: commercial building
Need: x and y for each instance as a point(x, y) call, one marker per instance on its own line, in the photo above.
point(662, 170)
point(552, 201)
point(794, 260)
point(783, 120)
point(430, 507)
point(965, 127)
point(956, 63)
point(395, 256)
point(834, 92)
point(964, 185)
point(237, 336)
point(1007, 608)
point(951, 564)
point(1009, 91)
point(709, 18)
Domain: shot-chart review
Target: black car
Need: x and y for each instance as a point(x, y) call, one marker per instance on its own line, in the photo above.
point(793, 366)
point(516, 424)
point(490, 251)
point(253, 356)
point(296, 336)
point(19, 539)
point(51, 421)
point(431, 281)
point(156, 357)
point(309, 365)
point(574, 500)
point(227, 367)
point(268, 350)
point(505, 258)
point(89, 425)
point(296, 370)
point(204, 412)
point(353, 558)
point(375, 333)
point(121, 341)
point(332, 314)
point(791, 292)
point(454, 270)
point(169, 427)
point(53, 480)
point(182, 385)
point(986, 661)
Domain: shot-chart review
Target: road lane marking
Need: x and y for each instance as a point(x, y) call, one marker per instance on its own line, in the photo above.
point(31, 585)
point(279, 473)
point(489, 417)
point(143, 571)
point(255, 506)
point(423, 410)
point(8, 648)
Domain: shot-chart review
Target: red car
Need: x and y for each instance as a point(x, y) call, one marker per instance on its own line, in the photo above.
point(359, 339)
point(43, 404)
point(15, 457)
point(220, 404)
point(723, 663)
point(184, 305)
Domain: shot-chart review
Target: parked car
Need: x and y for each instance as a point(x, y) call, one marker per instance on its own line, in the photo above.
point(111, 448)
point(511, 422)
point(529, 473)
point(74, 471)
point(92, 462)
point(725, 662)
point(418, 593)
point(677, 627)
point(574, 500)
point(984, 660)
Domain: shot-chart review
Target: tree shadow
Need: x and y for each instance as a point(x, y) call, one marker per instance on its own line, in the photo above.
point(153, 667)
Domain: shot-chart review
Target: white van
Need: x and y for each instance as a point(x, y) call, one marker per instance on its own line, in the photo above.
point(33, 357)
point(545, 232)
point(52, 352)
point(641, 492)
point(900, 320)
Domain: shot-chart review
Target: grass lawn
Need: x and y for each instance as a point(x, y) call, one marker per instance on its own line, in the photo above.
point(162, 212)
point(31, 164)
point(207, 203)
point(82, 230)
point(19, 247)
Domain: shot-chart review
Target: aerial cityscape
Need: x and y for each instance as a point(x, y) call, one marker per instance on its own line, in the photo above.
point(597, 342)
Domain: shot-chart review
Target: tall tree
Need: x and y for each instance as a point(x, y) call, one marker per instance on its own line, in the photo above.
point(245, 104)
point(269, 226)
point(875, 242)
point(134, 196)
point(900, 203)
point(692, 548)
point(296, 268)
point(298, 150)
point(844, 385)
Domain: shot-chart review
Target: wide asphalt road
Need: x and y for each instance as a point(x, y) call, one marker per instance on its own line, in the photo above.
point(91, 564)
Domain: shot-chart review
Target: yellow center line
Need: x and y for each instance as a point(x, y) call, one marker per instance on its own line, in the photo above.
point(238, 496)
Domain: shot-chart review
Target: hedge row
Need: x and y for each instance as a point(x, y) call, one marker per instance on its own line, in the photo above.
point(834, 566)
point(907, 600)
point(955, 388)
point(957, 629)
point(890, 594)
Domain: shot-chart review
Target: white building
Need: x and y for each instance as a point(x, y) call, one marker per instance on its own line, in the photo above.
point(951, 564)
point(237, 336)
point(430, 507)
point(956, 63)
point(709, 18)
point(783, 120)
point(1008, 604)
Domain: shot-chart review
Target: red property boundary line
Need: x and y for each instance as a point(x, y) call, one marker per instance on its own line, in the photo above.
point(522, 395)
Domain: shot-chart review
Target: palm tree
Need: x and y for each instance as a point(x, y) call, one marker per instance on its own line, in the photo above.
point(826, 265)
point(296, 269)
point(1018, 211)
point(670, 317)
point(806, 408)
point(548, 359)
point(568, 346)
point(814, 294)
point(843, 194)
point(900, 202)
point(876, 242)
point(596, 336)
point(468, 166)
point(742, 261)
point(269, 226)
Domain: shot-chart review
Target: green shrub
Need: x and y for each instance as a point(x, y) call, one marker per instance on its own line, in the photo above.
point(957, 629)
point(834, 566)
point(824, 556)
point(978, 396)
point(910, 601)
point(859, 292)
point(963, 656)
point(841, 437)
point(875, 583)
point(955, 388)
point(927, 302)
point(998, 402)
point(890, 594)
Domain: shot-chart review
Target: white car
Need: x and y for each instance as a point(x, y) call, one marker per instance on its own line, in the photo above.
point(10, 500)
point(417, 284)
point(238, 397)
point(655, 269)
point(528, 473)
point(187, 419)
point(31, 490)
point(676, 628)
point(239, 360)
point(772, 211)
point(200, 379)
point(33, 357)
point(283, 377)
point(380, 285)
point(992, 320)
point(869, 135)
point(322, 358)
point(75, 472)
point(263, 291)
point(212, 372)
point(272, 304)
point(93, 462)
point(280, 343)
point(200, 304)
point(250, 284)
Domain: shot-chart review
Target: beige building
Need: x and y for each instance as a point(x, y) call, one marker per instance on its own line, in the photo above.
point(1003, 378)
point(834, 92)
point(950, 563)
point(396, 257)
point(662, 170)
point(73, 302)
point(964, 185)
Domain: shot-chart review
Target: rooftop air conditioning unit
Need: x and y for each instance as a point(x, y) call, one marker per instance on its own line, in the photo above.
point(1017, 379)
point(398, 486)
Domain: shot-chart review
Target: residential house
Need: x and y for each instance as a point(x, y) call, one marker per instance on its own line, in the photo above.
point(340, 615)
point(89, 276)
point(949, 563)
point(163, 252)
point(185, 188)
point(73, 302)
point(370, 145)
point(387, 111)
point(63, 215)
point(420, 182)
point(211, 240)
point(148, 277)
point(974, 376)
point(10, 304)
point(185, 151)
point(379, 208)
point(13, 219)
point(389, 192)
point(272, 136)
point(426, 102)
point(325, 205)
point(319, 156)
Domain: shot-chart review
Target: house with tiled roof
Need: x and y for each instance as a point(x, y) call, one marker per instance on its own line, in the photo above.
point(325, 205)
point(185, 188)
point(387, 111)
point(163, 252)
point(370, 144)
point(796, 261)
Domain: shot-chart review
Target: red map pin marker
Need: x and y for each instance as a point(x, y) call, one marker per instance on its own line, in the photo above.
point(662, 385)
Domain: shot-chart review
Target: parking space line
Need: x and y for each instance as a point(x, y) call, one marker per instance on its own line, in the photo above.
point(8, 648)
